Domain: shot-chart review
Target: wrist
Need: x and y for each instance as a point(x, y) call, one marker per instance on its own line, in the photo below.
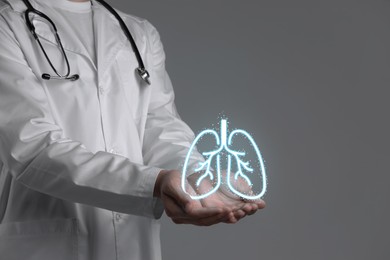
point(158, 184)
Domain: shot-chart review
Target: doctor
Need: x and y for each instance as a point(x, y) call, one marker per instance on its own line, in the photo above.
point(85, 164)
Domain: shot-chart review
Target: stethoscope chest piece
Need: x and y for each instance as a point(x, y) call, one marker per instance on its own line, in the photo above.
point(144, 75)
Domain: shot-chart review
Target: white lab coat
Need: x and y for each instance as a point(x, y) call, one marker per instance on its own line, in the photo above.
point(79, 159)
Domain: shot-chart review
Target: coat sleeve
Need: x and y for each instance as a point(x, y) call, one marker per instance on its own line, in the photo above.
point(165, 132)
point(35, 151)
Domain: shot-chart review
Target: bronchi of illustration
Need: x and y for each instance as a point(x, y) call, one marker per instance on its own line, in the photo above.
point(238, 167)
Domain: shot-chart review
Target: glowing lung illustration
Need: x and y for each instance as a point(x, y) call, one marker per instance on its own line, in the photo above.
point(240, 155)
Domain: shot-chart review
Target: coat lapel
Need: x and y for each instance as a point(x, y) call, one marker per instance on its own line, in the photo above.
point(108, 41)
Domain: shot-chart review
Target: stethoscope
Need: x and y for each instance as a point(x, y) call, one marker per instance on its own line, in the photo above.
point(142, 72)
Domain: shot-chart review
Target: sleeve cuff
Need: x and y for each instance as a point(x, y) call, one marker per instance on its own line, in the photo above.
point(156, 207)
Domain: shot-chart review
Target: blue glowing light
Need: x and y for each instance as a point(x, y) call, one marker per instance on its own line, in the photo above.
point(224, 143)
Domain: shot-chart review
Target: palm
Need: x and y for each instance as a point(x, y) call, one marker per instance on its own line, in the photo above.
point(223, 197)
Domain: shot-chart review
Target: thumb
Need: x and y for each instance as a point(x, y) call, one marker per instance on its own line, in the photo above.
point(174, 191)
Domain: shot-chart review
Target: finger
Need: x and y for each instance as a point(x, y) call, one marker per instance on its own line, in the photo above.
point(231, 219)
point(201, 222)
point(197, 212)
point(182, 200)
point(179, 196)
point(194, 202)
point(254, 209)
point(239, 214)
point(193, 210)
point(172, 209)
point(249, 207)
point(246, 209)
point(259, 203)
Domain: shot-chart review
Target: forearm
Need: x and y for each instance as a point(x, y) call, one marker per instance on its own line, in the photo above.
point(66, 170)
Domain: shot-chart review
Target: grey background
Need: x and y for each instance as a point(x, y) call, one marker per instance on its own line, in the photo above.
point(310, 81)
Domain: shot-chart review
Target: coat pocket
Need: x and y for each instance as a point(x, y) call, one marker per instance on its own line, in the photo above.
point(39, 240)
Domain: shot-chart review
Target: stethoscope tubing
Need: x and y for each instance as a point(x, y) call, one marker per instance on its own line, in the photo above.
point(126, 32)
point(142, 72)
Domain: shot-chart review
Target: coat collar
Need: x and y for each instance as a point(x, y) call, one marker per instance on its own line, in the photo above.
point(17, 5)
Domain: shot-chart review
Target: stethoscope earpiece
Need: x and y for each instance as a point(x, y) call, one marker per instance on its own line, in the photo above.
point(45, 76)
point(74, 77)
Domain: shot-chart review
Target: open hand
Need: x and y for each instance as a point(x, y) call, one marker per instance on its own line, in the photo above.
point(180, 207)
point(222, 206)
point(223, 197)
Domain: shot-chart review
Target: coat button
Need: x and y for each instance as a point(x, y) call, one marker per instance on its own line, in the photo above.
point(118, 217)
point(113, 151)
